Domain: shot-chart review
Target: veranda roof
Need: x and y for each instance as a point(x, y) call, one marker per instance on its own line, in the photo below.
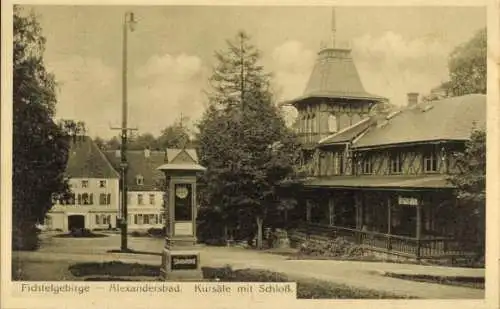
point(381, 182)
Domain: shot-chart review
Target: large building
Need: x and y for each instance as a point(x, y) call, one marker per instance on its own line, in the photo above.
point(94, 198)
point(379, 178)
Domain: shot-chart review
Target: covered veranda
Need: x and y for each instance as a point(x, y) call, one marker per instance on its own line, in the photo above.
point(405, 216)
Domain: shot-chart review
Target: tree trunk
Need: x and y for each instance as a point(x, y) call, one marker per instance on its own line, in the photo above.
point(259, 232)
point(226, 236)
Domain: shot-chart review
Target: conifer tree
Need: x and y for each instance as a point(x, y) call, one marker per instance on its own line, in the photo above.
point(243, 141)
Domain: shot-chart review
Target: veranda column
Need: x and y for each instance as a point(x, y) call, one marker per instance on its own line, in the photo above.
point(389, 222)
point(331, 210)
point(419, 228)
point(358, 204)
point(308, 210)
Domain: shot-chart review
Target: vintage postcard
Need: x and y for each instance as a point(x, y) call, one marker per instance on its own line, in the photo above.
point(224, 154)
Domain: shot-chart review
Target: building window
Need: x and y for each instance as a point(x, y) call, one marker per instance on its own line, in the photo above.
point(140, 199)
point(97, 219)
point(85, 183)
point(152, 199)
point(106, 219)
point(86, 199)
point(139, 180)
point(396, 163)
point(313, 124)
point(135, 219)
point(105, 199)
point(102, 183)
point(367, 166)
point(430, 162)
point(146, 219)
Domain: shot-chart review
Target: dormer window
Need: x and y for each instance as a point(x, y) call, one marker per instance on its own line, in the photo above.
point(139, 180)
point(85, 183)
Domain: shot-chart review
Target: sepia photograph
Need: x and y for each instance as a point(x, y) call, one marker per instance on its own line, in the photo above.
point(338, 148)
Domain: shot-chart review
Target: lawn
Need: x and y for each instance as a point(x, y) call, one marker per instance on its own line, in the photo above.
point(41, 271)
point(118, 271)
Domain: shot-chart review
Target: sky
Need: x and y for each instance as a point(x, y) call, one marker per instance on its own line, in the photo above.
point(171, 54)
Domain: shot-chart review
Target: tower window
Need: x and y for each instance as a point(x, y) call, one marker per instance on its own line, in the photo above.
point(332, 123)
point(139, 180)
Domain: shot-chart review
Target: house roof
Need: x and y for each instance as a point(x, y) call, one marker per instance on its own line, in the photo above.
point(348, 134)
point(381, 182)
point(87, 161)
point(447, 119)
point(335, 76)
point(141, 165)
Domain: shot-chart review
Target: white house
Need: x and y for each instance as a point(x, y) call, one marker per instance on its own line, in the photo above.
point(145, 186)
point(94, 199)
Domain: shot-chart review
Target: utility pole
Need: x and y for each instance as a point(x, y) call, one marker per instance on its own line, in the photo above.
point(128, 25)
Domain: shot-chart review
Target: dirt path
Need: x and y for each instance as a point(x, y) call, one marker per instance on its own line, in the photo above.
point(364, 275)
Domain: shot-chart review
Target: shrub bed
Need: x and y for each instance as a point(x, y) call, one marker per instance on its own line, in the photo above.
point(114, 269)
point(83, 233)
point(471, 282)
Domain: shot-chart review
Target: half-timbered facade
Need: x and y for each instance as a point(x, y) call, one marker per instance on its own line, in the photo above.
point(380, 178)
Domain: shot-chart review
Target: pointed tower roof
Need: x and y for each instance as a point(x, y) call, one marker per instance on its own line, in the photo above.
point(334, 75)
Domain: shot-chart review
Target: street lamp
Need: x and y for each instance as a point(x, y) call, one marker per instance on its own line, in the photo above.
point(128, 25)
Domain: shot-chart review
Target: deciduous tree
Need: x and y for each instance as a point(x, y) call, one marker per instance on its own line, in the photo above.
point(470, 185)
point(40, 146)
point(467, 66)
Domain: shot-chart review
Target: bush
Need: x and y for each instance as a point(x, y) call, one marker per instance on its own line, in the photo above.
point(156, 232)
point(139, 234)
point(338, 247)
point(215, 241)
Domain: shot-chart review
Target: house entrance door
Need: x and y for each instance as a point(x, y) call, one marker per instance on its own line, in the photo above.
point(76, 222)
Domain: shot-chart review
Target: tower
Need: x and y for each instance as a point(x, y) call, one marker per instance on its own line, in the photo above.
point(334, 97)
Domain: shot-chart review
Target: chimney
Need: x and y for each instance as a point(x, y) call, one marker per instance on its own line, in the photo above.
point(412, 99)
point(147, 152)
point(118, 153)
